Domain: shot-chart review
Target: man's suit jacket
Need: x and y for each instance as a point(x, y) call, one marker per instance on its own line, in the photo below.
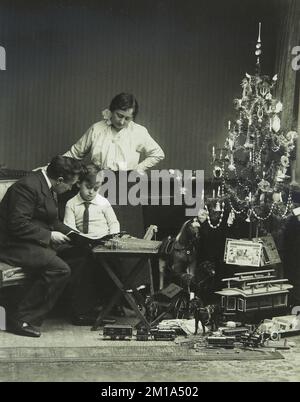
point(28, 214)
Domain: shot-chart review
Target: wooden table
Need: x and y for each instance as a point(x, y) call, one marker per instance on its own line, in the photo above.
point(110, 258)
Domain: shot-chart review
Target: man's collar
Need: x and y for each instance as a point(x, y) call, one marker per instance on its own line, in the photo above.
point(47, 178)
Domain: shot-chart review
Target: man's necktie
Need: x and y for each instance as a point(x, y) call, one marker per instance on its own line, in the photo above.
point(86, 218)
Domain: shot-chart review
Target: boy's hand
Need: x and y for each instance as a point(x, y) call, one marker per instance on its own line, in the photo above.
point(59, 238)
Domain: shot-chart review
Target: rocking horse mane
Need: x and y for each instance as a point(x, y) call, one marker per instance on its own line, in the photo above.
point(183, 235)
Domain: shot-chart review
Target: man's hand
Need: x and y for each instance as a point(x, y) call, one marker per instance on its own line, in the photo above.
point(59, 238)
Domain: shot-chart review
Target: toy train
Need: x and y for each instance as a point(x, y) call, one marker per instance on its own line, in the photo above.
point(121, 332)
point(142, 334)
point(163, 334)
point(252, 340)
point(221, 341)
point(237, 332)
point(124, 332)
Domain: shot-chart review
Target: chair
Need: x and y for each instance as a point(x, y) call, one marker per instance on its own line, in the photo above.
point(9, 275)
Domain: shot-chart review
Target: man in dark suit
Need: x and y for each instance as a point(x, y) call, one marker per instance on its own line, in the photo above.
point(30, 232)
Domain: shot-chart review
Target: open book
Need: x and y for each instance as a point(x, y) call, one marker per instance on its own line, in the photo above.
point(83, 240)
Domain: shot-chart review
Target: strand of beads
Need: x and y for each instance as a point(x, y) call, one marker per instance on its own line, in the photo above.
point(235, 210)
point(275, 147)
point(258, 158)
point(237, 199)
point(260, 218)
point(245, 187)
point(289, 205)
point(220, 219)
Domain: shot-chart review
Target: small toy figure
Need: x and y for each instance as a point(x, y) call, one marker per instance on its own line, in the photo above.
point(207, 315)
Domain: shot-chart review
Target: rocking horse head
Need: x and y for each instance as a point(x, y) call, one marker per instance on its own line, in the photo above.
point(180, 253)
point(189, 232)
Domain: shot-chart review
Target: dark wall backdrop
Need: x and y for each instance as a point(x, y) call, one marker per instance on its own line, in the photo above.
point(183, 59)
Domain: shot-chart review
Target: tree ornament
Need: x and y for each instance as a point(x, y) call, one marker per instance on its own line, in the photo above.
point(277, 197)
point(278, 107)
point(285, 161)
point(202, 215)
point(276, 123)
point(262, 199)
point(218, 207)
point(248, 216)
point(217, 172)
point(231, 218)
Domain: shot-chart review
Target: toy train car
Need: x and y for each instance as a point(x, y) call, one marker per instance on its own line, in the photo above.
point(221, 341)
point(163, 334)
point(252, 340)
point(237, 332)
point(142, 334)
point(121, 332)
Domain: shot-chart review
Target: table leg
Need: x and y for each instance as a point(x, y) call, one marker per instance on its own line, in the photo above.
point(121, 290)
point(116, 296)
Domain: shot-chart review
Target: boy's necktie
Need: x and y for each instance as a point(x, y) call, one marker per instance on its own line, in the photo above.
point(86, 218)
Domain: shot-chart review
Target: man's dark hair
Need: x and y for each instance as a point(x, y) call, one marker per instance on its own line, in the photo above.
point(63, 166)
point(124, 101)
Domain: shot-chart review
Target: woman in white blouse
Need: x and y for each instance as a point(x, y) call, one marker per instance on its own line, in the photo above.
point(116, 142)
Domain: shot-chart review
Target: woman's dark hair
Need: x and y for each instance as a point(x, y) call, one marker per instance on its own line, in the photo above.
point(124, 101)
point(63, 166)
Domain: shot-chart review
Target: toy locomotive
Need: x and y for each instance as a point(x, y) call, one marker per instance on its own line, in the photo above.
point(163, 334)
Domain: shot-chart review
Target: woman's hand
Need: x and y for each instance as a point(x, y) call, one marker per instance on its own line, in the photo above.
point(140, 171)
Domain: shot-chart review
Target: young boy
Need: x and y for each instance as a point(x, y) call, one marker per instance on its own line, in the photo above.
point(89, 212)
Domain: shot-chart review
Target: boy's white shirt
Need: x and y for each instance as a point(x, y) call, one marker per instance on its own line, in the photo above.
point(102, 218)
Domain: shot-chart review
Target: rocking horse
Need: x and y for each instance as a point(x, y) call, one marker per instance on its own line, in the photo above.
point(179, 255)
point(179, 263)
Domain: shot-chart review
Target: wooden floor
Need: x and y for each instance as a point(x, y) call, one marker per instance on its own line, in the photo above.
point(58, 334)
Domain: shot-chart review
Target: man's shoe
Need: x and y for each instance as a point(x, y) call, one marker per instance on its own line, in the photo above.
point(23, 329)
point(84, 320)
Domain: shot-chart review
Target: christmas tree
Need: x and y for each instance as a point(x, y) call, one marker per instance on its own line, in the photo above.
point(251, 171)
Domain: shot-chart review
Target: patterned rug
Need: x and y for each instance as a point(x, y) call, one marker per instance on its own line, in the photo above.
point(123, 353)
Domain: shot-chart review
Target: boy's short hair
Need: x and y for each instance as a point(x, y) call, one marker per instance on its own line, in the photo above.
point(63, 166)
point(90, 178)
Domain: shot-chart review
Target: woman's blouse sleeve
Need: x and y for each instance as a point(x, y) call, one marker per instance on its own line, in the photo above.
point(83, 146)
point(152, 150)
